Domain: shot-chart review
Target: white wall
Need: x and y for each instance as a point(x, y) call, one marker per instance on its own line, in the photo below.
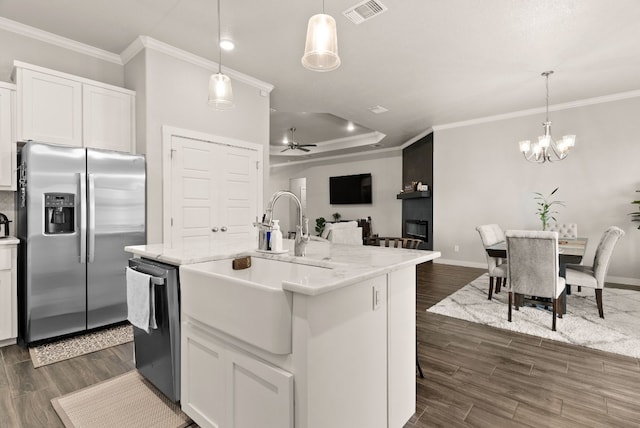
point(481, 177)
point(386, 172)
point(173, 92)
point(18, 47)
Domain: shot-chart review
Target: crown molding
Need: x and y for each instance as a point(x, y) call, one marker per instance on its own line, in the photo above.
point(538, 110)
point(336, 157)
point(368, 139)
point(63, 42)
point(147, 42)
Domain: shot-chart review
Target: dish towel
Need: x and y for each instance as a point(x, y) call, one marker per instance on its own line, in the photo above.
point(141, 302)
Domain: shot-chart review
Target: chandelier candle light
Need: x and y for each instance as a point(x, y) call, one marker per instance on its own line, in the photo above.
point(546, 149)
point(220, 92)
point(321, 48)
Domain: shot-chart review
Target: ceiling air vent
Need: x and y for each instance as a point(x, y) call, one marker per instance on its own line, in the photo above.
point(364, 10)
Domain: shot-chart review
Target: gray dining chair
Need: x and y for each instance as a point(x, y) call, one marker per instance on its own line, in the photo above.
point(565, 230)
point(533, 268)
point(491, 234)
point(593, 276)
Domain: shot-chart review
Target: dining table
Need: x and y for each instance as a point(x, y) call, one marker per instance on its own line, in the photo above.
point(569, 251)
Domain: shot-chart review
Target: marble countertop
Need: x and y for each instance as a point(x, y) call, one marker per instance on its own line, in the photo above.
point(9, 240)
point(346, 264)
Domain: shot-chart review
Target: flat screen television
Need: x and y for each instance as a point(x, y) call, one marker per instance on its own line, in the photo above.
point(350, 189)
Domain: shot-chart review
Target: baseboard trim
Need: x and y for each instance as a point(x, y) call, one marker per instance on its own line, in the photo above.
point(461, 263)
point(611, 279)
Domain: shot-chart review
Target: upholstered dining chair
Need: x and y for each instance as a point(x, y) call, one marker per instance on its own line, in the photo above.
point(565, 230)
point(593, 276)
point(533, 267)
point(491, 234)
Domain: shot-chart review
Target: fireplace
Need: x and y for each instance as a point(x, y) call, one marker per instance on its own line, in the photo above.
point(418, 229)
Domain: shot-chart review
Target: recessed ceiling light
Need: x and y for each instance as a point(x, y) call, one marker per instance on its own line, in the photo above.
point(227, 44)
point(377, 109)
point(350, 126)
point(285, 140)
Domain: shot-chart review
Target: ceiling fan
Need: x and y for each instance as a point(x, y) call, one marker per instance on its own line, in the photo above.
point(292, 145)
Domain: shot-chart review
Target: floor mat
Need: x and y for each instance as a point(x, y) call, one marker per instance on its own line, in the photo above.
point(64, 349)
point(124, 401)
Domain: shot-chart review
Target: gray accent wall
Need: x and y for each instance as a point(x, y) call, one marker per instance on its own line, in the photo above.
point(481, 177)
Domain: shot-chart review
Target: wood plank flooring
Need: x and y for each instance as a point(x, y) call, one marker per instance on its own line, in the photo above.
point(475, 376)
point(485, 377)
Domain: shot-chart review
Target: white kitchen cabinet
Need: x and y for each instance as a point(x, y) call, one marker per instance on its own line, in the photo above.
point(223, 387)
point(49, 108)
point(7, 140)
point(8, 295)
point(59, 108)
point(107, 118)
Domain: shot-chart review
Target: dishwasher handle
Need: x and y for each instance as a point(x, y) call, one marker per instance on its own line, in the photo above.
point(155, 280)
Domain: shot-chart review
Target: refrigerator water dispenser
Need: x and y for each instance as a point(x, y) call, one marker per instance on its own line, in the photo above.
point(59, 213)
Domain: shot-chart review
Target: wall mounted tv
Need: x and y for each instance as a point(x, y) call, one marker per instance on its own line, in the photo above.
point(350, 189)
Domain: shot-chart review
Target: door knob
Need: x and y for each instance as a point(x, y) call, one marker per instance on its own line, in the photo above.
point(223, 228)
point(214, 229)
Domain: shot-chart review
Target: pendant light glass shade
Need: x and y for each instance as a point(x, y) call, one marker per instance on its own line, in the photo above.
point(321, 48)
point(220, 92)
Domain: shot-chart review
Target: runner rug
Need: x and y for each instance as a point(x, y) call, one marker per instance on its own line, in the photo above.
point(618, 332)
point(126, 401)
point(64, 349)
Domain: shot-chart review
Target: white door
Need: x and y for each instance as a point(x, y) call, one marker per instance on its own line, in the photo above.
point(194, 191)
point(215, 191)
point(238, 187)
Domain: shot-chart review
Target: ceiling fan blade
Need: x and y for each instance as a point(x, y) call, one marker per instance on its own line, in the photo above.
point(303, 149)
point(307, 145)
point(285, 149)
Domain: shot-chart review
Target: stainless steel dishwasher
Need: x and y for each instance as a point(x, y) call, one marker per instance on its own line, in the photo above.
point(157, 353)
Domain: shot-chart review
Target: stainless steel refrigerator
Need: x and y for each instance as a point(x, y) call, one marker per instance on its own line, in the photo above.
point(77, 210)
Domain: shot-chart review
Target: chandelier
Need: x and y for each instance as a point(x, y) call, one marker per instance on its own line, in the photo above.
point(547, 150)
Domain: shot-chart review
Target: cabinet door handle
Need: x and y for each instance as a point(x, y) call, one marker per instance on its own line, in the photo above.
point(214, 229)
point(223, 228)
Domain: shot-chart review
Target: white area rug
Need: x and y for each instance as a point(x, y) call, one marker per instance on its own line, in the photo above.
point(618, 332)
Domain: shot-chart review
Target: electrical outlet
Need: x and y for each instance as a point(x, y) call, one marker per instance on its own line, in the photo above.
point(456, 248)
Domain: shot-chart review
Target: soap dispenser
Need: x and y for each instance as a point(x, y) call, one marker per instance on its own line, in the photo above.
point(276, 237)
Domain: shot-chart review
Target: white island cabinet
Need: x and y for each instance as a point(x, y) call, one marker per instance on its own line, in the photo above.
point(8, 291)
point(350, 320)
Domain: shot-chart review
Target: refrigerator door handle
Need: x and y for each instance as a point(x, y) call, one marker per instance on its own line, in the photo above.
point(92, 218)
point(82, 184)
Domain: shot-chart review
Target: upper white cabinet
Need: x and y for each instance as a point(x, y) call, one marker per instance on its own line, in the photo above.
point(107, 118)
point(7, 140)
point(60, 108)
point(49, 108)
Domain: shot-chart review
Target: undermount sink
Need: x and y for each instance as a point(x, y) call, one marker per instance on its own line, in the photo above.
point(248, 304)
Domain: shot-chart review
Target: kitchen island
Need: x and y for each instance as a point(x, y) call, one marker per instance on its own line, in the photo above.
point(332, 332)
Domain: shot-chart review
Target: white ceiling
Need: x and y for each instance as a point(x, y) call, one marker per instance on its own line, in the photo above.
point(430, 62)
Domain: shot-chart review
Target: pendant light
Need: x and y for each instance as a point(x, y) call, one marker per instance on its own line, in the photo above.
point(321, 48)
point(220, 92)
